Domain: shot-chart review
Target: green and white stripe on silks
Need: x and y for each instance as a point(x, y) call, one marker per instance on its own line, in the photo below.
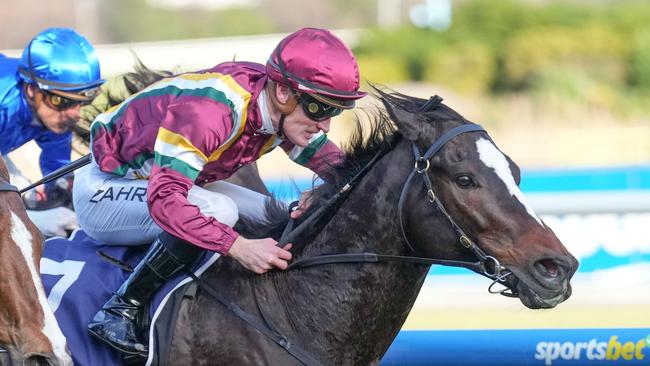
point(141, 173)
point(175, 151)
point(302, 155)
point(237, 95)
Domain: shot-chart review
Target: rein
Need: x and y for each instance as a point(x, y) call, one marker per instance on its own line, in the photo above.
point(291, 234)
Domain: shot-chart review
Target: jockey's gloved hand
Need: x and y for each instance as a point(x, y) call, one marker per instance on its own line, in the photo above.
point(54, 194)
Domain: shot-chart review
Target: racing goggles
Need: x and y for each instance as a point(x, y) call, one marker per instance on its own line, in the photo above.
point(61, 101)
point(319, 108)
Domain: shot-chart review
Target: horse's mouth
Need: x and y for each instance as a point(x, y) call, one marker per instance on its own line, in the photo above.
point(535, 294)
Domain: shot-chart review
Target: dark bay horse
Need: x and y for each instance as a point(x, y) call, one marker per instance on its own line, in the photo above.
point(435, 186)
point(29, 333)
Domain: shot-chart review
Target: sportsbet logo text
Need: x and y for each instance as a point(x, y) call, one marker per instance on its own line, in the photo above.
point(593, 350)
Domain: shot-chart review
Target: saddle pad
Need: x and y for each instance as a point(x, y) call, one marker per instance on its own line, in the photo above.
point(78, 281)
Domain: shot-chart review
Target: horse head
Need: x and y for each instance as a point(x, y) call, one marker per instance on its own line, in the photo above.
point(29, 333)
point(465, 193)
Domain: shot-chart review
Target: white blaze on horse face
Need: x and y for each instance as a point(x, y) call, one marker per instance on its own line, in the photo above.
point(23, 239)
point(493, 158)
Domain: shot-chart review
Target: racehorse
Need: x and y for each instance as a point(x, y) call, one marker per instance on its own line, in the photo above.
point(29, 333)
point(433, 189)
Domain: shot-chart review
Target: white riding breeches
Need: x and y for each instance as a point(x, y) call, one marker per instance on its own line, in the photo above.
point(113, 209)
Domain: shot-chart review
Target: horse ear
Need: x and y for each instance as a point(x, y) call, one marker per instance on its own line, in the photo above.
point(407, 123)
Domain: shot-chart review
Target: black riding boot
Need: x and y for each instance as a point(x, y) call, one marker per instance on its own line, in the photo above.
point(118, 322)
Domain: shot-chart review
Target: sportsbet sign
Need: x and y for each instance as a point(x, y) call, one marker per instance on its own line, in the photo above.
point(593, 350)
point(535, 347)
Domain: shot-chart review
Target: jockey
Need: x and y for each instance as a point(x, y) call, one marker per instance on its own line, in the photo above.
point(40, 97)
point(159, 159)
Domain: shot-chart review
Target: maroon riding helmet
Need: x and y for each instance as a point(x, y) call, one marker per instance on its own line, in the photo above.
point(315, 62)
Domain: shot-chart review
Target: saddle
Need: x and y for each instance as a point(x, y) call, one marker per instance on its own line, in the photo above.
point(80, 274)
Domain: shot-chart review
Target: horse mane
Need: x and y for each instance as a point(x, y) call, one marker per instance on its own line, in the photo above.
point(382, 136)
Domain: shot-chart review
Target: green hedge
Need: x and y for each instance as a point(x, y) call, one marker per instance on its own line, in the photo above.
point(508, 45)
point(640, 60)
point(531, 51)
point(466, 67)
point(384, 69)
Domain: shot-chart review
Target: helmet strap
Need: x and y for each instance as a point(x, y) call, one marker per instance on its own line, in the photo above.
point(281, 126)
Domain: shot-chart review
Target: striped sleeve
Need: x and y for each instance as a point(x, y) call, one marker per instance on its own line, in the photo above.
point(175, 151)
point(185, 140)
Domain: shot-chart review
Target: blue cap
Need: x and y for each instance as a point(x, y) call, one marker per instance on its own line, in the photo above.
point(60, 59)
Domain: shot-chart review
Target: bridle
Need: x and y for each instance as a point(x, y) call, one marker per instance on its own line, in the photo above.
point(486, 265)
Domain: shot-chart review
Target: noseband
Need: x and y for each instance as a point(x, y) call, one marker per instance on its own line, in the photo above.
point(486, 265)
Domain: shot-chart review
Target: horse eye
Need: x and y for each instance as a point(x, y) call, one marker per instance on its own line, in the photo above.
point(465, 181)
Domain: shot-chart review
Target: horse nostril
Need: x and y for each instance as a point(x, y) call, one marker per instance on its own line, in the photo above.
point(548, 267)
point(37, 360)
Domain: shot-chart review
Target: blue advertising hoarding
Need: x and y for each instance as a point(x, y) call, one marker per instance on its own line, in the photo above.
point(534, 347)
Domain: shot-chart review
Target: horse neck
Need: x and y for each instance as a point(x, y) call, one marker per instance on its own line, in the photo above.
point(4, 172)
point(27, 322)
point(367, 220)
point(345, 298)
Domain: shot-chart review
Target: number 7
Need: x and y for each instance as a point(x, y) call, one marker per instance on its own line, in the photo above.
point(70, 271)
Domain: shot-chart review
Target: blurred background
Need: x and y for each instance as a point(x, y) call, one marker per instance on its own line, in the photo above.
point(562, 86)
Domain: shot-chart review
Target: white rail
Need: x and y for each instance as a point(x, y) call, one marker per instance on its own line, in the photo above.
point(189, 55)
point(588, 202)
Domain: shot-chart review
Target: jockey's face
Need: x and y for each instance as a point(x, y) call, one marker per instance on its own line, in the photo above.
point(297, 127)
point(56, 120)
